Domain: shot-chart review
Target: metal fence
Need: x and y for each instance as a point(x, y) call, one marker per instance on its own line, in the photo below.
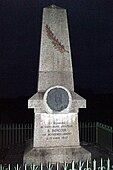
point(97, 133)
point(90, 132)
point(87, 132)
point(80, 165)
point(104, 136)
point(15, 133)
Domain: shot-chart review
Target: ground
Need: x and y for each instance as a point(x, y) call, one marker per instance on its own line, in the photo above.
point(14, 154)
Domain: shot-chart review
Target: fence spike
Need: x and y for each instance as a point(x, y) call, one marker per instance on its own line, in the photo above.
point(57, 167)
point(17, 167)
point(25, 166)
point(65, 166)
point(94, 164)
point(87, 165)
point(108, 164)
point(9, 166)
point(81, 165)
point(1, 167)
point(73, 165)
point(101, 165)
point(50, 166)
point(41, 166)
point(33, 167)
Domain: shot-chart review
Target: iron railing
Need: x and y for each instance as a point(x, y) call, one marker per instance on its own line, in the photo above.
point(90, 132)
point(104, 135)
point(87, 131)
point(80, 165)
point(15, 133)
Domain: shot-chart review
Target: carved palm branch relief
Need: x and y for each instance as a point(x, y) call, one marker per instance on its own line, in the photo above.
point(54, 40)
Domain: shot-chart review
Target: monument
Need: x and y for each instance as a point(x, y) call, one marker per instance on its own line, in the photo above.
point(56, 105)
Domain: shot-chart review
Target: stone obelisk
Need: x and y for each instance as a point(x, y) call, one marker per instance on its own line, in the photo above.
point(55, 66)
point(56, 105)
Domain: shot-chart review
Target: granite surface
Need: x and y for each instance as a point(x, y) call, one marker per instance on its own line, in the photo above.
point(56, 133)
point(55, 66)
point(58, 154)
point(37, 100)
point(51, 130)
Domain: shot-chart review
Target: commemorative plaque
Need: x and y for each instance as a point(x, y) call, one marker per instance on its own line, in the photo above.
point(57, 99)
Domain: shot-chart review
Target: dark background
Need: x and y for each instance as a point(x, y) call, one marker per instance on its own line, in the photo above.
point(91, 38)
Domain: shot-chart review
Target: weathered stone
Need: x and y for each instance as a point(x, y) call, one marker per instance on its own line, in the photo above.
point(58, 154)
point(56, 105)
point(55, 67)
point(51, 130)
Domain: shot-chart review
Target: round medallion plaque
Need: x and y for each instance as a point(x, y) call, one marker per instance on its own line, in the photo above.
point(57, 99)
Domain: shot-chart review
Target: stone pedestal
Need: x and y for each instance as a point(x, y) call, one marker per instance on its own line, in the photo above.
point(57, 154)
point(56, 136)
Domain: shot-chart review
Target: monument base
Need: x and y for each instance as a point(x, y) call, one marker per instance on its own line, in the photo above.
point(57, 154)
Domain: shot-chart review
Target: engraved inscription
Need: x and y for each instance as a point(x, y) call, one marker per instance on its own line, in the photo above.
point(56, 130)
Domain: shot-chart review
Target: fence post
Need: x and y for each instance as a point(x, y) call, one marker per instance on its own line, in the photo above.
point(3, 129)
point(22, 136)
point(82, 131)
point(13, 134)
point(88, 132)
point(16, 132)
point(82, 134)
point(25, 132)
point(91, 132)
point(7, 135)
point(85, 134)
point(97, 132)
point(111, 139)
point(31, 131)
point(19, 134)
point(28, 131)
point(0, 134)
point(94, 132)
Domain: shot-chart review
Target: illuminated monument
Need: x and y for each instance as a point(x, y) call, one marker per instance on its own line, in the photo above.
point(56, 105)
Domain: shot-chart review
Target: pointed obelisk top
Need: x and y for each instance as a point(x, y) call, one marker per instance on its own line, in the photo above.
point(54, 6)
point(55, 66)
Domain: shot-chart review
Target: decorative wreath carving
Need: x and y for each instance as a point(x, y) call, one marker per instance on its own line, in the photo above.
point(54, 40)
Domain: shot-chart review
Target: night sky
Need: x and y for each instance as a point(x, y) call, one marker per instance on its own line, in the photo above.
point(91, 36)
